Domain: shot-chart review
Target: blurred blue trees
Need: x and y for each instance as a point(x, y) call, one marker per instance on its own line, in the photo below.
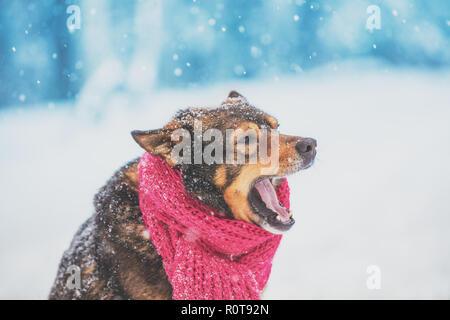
point(187, 43)
point(37, 53)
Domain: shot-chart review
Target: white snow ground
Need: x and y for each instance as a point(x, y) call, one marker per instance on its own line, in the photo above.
point(378, 193)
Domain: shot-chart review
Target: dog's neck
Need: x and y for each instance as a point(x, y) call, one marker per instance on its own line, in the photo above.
point(131, 175)
point(204, 254)
point(131, 178)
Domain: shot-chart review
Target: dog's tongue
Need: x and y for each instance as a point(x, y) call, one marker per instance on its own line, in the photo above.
point(270, 199)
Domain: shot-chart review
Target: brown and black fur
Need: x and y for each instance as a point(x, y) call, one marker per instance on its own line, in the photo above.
point(113, 249)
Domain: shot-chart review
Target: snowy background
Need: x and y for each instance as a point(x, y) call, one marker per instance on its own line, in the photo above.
point(378, 102)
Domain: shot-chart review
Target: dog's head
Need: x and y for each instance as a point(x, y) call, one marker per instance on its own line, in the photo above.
point(232, 158)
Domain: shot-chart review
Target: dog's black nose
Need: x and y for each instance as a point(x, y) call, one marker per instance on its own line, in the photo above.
point(306, 146)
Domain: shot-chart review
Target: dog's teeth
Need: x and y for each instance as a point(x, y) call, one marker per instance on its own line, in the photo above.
point(290, 213)
point(278, 218)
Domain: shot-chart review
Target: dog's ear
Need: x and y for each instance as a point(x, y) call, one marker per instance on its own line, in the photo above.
point(235, 97)
point(156, 142)
point(234, 94)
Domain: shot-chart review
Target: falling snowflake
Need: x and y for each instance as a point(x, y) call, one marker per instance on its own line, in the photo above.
point(255, 52)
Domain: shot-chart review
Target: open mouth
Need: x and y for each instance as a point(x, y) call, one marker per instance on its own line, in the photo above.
point(264, 200)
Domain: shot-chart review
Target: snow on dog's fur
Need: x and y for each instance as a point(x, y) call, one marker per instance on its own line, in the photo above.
point(113, 249)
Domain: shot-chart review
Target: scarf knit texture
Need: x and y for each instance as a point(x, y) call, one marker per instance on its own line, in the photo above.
point(205, 255)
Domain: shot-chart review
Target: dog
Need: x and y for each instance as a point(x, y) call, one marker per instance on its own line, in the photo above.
point(113, 252)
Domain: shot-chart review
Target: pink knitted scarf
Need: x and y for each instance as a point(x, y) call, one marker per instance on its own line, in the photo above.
point(205, 255)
